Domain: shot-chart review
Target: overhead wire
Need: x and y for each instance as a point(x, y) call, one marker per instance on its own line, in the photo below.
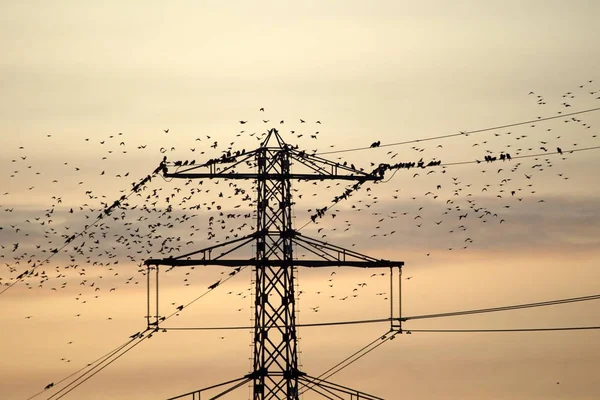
point(372, 346)
point(141, 339)
point(505, 308)
point(414, 317)
point(562, 152)
point(357, 355)
point(63, 246)
point(316, 324)
point(353, 357)
point(464, 133)
point(105, 359)
point(390, 336)
point(324, 374)
point(106, 355)
point(565, 328)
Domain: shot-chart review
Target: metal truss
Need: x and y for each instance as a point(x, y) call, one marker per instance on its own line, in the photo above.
point(307, 383)
point(275, 372)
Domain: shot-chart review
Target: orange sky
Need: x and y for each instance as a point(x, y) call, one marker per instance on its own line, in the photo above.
point(78, 79)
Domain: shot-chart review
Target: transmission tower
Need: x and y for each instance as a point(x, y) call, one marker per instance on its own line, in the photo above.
point(275, 373)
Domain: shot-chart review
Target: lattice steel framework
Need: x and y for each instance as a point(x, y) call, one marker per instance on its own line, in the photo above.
point(275, 372)
point(275, 340)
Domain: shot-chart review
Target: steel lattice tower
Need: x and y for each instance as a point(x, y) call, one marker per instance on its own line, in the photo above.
point(275, 372)
point(275, 350)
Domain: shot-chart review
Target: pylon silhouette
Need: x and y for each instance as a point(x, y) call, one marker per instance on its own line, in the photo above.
point(275, 373)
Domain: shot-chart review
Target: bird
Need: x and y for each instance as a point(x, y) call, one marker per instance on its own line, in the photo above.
point(214, 285)
point(166, 130)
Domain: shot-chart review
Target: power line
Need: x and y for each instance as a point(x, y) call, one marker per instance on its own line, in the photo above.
point(464, 133)
point(424, 316)
point(526, 156)
point(471, 162)
point(141, 339)
point(99, 361)
point(104, 213)
point(567, 328)
point(234, 327)
point(201, 296)
point(372, 346)
point(366, 321)
point(107, 356)
point(505, 308)
point(358, 357)
point(358, 354)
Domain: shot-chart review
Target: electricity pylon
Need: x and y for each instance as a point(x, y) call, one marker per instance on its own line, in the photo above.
point(275, 373)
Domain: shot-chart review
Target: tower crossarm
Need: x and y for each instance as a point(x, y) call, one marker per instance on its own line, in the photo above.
point(267, 176)
point(208, 251)
point(224, 167)
point(324, 167)
point(329, 255)
point(273, 263)
point(225, 164)
point(319, 385)
point(341, 255)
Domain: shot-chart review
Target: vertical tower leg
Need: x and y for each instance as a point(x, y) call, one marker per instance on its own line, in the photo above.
point(275, 341)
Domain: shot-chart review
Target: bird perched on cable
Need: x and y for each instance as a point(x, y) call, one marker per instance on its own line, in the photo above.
point(214, 285)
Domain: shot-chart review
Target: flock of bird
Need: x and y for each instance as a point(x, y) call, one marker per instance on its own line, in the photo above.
point(89, 239)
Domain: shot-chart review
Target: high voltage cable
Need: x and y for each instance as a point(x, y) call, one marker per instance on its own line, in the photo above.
point(372, 346)
point(358, 357)
point(366, 349)
point(525, 156)
point(107, 356)
point(333, 323)
point(464, 133)
point(104, 358)
point(565, 328)
point(106, 361)
point(562, 152)
point(425, 316)
point(64, 245)
point(505, 308)
point(100, 369)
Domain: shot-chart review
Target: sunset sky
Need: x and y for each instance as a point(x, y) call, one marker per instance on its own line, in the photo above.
point(89, 89)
